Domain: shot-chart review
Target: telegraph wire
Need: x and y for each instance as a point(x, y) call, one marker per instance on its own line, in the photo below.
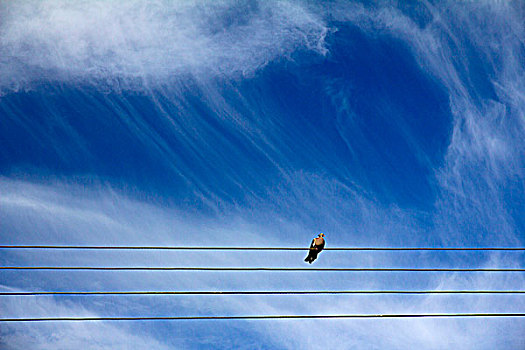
point(260, 248)
point(260, 317)
point(265, 269)
point(297, 292)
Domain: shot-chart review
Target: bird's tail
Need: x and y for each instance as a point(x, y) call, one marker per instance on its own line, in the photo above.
point(310, 258)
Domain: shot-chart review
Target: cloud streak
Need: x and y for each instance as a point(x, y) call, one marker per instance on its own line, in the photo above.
point(104, 216)
point(134, 42)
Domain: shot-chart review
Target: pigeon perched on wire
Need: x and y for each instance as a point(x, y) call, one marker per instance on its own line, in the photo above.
point(315, 248)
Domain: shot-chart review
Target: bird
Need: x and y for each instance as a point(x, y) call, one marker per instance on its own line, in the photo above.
point(315, 248)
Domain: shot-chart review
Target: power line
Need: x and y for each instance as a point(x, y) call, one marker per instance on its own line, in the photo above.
point(260, 317)
point(267, 269)
point(297, 292)
point(260, 248)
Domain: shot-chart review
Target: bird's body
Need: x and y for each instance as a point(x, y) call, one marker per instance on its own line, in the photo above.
point(315, 248)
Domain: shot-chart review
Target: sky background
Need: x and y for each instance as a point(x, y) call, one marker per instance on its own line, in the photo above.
point(262, 123)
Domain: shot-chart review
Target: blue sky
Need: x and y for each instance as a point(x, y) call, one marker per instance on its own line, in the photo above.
point(262, 123)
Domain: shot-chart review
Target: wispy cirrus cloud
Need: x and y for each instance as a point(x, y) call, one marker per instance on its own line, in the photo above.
point(70, 335)
point(129, 43)
point(103, 216)
point(477, 66)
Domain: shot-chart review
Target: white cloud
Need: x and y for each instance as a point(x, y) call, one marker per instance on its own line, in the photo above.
point(486, 152)
point(69, 335)
point(128, 42)
point(84, 219)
